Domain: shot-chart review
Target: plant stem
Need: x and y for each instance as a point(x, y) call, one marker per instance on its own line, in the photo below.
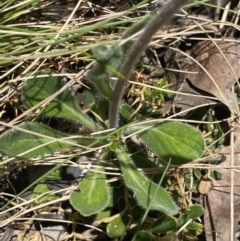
point(166, 11)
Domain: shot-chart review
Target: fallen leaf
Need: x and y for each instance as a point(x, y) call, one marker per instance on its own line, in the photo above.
point(210, 61)
point(195, 98)
point(217, 203)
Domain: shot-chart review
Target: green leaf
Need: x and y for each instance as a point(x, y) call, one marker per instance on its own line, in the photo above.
point(143, 187)
point(142, 236)
point(195, 228)
point(117, 227)
point(115, 194)
point(101, 79)
point(93, 196)
point(113, 146)
point(108, 61)
point(183, 219)
point(126, 111)
point(191, 182)
point(164, 224)
point(195, 225)
point(15, 142)
point(142, 161)
point(195, 211)
point(173, 141)
point(109, 56)
point(197, 173)
point(38, 192)
point(102, 54)
point(62, 106)
point(168, 237)
point(216, 175)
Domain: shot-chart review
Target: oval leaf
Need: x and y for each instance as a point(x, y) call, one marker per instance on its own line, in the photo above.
point(142, 236)
point(63, 105)
point(146, 192)
point(94, 194)
point(195, 211)
point(173, 141)
point(117, 227)
point(164, 224)
point(26, 145)
point(216, 175)
point(16, 142)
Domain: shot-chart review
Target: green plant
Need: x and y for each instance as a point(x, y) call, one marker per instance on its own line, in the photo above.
point(167, 139)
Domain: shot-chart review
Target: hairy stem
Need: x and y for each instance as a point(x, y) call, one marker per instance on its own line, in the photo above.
point(164, 14)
